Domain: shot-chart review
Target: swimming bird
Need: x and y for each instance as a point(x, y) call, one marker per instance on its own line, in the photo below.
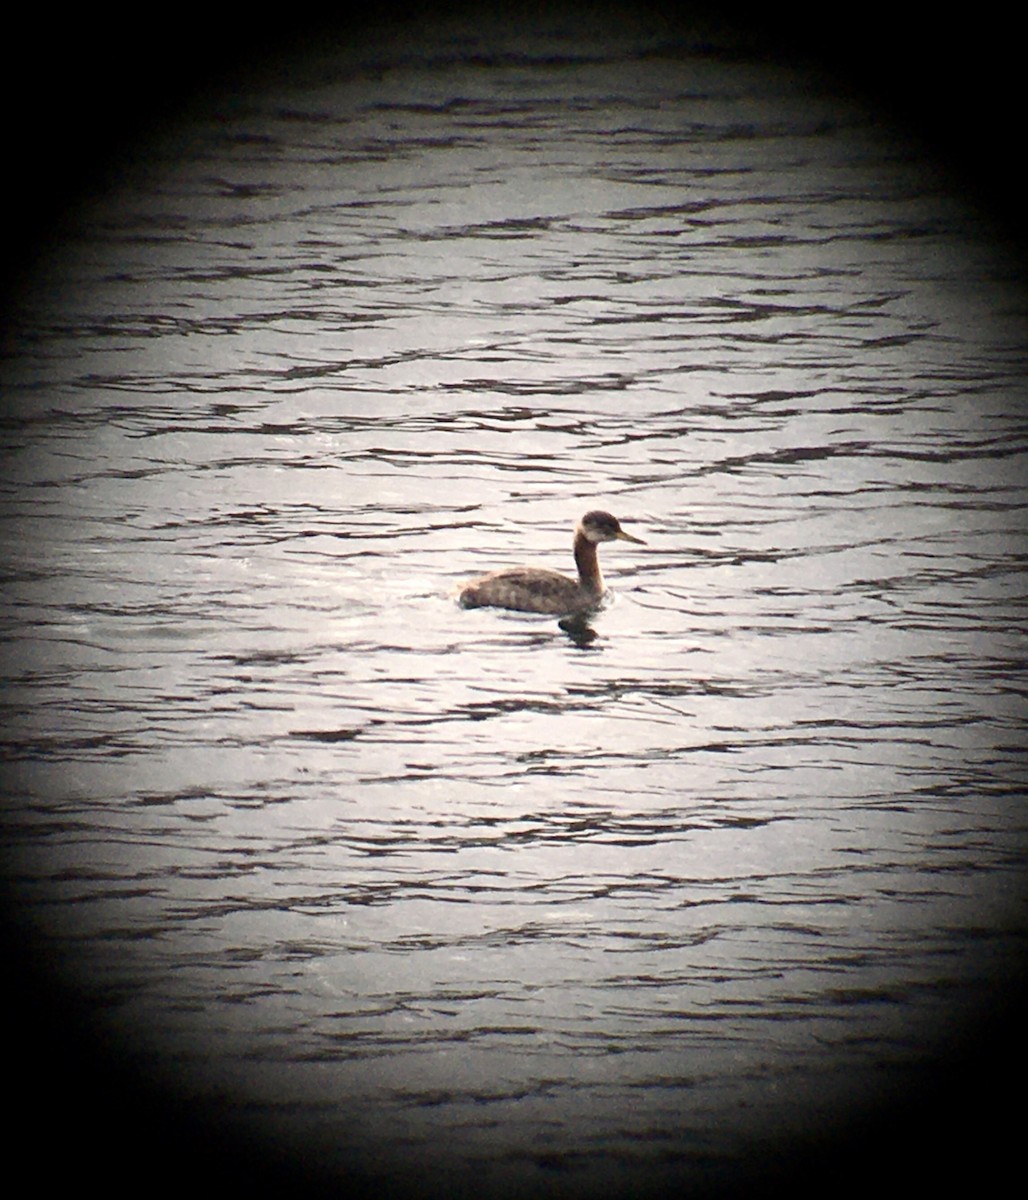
point(537, 590)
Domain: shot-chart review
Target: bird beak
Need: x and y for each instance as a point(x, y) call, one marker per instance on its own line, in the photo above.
point(627, 537)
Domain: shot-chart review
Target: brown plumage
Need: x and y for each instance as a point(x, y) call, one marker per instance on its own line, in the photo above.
point(534, 589)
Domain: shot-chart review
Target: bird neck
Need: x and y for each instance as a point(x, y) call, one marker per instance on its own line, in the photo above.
point(588, 563)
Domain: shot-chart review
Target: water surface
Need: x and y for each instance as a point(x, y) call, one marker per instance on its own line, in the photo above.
point(460, 897)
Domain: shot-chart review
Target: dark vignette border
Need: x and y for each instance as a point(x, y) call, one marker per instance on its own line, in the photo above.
point(952, 80)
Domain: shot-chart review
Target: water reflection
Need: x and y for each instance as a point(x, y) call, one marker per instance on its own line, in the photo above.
point(578, 630)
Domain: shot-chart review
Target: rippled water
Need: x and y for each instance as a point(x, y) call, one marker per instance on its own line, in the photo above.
point(461, 896)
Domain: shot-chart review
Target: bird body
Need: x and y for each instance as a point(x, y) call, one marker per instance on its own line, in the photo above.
point(538, 590)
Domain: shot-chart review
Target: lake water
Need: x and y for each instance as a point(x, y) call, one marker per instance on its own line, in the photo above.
point(462, 898)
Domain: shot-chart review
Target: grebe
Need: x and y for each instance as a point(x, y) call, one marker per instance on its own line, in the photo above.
point(533, 589)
